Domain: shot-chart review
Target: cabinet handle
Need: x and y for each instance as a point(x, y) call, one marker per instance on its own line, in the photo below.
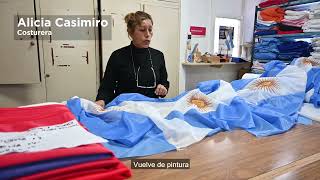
point(87, 57)
point(50, 35)
point(52, 56)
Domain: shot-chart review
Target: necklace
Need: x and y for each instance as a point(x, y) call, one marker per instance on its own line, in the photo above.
point(137, 72)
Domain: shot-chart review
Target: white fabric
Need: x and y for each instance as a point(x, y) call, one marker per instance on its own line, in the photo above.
point(297, 17)
point(42, 104)
point(66, 135)
point(314, 16)
point(308, 95)
point(315, 7)
point(250, 76)
point(315, 55)
point(178, 132)
point(316, 49)
point(308, 110)
point(311, 30)
point(296, 13)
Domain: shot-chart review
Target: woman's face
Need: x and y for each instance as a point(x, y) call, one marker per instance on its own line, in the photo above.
point(142, 34)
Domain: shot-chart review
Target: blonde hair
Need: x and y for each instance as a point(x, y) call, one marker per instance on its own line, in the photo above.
point(134, 19)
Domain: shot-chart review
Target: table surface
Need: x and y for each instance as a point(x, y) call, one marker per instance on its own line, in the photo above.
point(240, 155)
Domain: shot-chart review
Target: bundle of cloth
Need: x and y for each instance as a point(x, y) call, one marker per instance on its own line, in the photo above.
point(47, 142)
point(272, 14)
point(268, 3)
point(293, 22)
point(135, 125)
point(281, 49)
point(265, 28)
point(267, 49)
point(267, 21)
point(289, 49)
point(313, 25)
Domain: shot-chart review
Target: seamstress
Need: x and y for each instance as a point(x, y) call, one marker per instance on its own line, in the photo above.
point(136, 68)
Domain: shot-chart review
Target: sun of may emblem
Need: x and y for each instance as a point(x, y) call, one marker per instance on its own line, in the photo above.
point(265, 84)
point(313, 62)
point(202, 102)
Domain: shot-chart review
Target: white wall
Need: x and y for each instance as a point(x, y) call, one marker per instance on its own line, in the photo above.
point(248, 18)
point(203, 13)
point(194, 13)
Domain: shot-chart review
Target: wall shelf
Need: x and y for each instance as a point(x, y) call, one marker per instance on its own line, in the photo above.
point(293, 3)
point(294, 36)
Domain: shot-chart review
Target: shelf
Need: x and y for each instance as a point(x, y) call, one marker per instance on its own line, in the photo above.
point(213, 64)
point(293, 3)
point(294, 36)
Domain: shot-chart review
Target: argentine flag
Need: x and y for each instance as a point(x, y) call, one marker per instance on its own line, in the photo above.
point(312, 68)
point(135, 125)
point(229, 40)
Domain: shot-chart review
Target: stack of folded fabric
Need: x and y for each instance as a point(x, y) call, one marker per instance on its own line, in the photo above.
point(313, 25)
point(267, 49)
point(271, 3)
point(293, 22)
point(267, 21)
point(315, 55)
point(288, 50)
point(46, 142)
point(265, 27)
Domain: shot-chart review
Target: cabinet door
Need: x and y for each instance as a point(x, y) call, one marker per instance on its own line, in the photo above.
point(70, 65)
point(118, 10)
point(19, 61)
point(166, 39)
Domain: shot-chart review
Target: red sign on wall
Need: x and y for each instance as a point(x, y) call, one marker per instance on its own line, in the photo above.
point(198, 31)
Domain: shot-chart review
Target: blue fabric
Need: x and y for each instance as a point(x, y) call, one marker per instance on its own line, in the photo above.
point(273, 68)
point(208, 86)
point(296, 46)
point(264, 27)
point(43, 166)
point(265, 32)
point(315, 98)
point(304, 120)
point(265, 56)
point(288, 50)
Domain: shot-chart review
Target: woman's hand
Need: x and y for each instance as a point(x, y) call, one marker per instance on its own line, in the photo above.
point(161, 90)
point(101, 104)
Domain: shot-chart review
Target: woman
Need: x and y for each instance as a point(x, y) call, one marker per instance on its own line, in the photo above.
point(136, 68)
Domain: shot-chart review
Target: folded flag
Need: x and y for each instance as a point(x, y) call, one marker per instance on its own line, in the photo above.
point(47, 142)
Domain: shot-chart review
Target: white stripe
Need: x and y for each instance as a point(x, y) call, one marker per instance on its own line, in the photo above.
point(308, 95)
point(177, 132)
point(291, 80)
point(47, 137)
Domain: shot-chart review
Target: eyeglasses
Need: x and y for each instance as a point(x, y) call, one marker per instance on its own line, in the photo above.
point(136, 74)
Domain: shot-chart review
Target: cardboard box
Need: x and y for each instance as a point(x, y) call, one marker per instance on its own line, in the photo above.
point(210, 59)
